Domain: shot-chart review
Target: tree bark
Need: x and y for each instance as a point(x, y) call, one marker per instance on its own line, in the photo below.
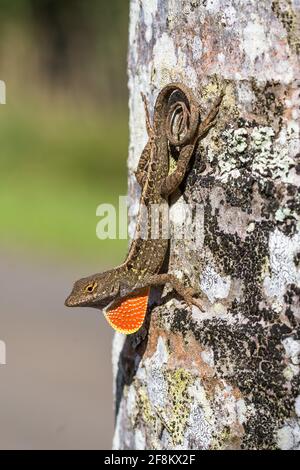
point(227, 378)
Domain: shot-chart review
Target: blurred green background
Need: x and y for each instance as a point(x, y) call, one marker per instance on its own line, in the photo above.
point(63, 151)
point(63, 131)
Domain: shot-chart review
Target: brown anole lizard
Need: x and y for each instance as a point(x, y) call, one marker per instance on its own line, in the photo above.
point(123, 291)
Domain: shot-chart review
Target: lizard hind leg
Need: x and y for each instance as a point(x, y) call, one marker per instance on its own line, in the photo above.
point(141, 171)
point(210, 119)
point(142, 168)
point(150, 130)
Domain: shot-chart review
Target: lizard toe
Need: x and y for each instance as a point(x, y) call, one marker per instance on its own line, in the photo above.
point(198, 304)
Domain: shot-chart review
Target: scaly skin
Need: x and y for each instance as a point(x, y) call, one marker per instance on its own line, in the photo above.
point(146, 254)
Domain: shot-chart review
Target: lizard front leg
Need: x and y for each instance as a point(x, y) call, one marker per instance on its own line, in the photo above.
point(185, 292)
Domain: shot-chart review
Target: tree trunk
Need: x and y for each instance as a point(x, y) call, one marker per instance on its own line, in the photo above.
point(227, 378)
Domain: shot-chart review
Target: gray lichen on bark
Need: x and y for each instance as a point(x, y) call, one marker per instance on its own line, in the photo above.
point(228, 377)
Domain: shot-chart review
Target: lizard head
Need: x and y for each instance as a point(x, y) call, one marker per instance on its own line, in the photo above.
point(96, 291)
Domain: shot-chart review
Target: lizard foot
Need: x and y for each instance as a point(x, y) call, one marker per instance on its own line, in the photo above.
point(198, 304)
point(191, 300)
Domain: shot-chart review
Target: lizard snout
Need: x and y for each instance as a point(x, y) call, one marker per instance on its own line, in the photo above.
point(69, 302)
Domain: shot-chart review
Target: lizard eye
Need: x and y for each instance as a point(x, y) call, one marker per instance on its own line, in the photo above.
point(91, 287)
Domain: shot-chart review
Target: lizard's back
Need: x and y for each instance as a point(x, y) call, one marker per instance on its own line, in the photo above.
point(150, 244)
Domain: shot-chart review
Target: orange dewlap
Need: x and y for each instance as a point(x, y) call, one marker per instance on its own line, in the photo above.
point(127, 315)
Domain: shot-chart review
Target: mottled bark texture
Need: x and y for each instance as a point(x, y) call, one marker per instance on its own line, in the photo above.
point(227, 378)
